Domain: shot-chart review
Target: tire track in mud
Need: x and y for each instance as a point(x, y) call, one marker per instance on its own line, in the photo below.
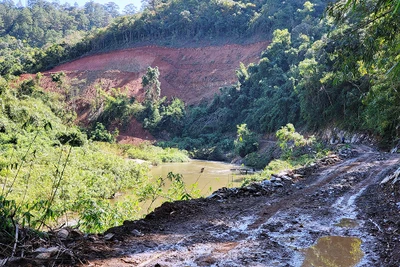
point(321, 179)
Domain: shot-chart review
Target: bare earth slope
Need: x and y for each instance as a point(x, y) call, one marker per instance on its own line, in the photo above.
point(187, 73)
point(271, 224)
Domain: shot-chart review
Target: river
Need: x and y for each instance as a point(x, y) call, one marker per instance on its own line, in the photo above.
point(208, 175)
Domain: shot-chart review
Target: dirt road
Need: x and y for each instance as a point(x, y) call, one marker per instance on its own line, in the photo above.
point(337, 204)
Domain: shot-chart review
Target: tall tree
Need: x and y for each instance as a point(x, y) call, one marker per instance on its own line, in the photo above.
point(129, 9)
point(151, 84)
point(112, 8)
point(376, 24)
point(150, 4)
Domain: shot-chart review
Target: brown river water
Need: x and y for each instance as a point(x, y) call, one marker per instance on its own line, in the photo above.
point(208, 175)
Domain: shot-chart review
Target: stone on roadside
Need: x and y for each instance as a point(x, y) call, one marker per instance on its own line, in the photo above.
point(63, 233)
point(108, 237)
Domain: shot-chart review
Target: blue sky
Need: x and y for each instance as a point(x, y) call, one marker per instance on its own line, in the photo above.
point(120, 3)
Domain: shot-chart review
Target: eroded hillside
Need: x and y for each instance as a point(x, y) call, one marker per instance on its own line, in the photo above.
point(187, 73)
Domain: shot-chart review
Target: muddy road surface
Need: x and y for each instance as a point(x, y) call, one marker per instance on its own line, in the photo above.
point(335, 212)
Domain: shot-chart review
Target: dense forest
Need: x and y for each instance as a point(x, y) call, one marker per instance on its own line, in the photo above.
point(33, 35)
point(328, 64)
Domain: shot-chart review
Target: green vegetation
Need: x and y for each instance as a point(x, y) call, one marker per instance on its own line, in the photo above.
point(246, 141)
point(297, 151)
point(156, 155)
point(50, 170)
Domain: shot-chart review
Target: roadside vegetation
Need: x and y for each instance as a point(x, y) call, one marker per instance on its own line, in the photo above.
point(51, 173)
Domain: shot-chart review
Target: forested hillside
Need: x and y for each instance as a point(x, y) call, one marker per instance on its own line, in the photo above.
point(31, 36)
point(309, 75)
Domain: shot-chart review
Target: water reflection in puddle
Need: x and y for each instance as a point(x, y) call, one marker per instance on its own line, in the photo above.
point(347, 223)
point(334, 251)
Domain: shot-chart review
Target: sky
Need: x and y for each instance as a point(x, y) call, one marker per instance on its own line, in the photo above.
point(120, 3)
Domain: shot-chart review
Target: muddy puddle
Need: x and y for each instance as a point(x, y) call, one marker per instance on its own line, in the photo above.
point(347, 223)
point(334, 251)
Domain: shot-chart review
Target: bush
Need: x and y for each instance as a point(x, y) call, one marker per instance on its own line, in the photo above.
point(101, 134)
point(258, 161)
point(72, 137)
point(246, 141)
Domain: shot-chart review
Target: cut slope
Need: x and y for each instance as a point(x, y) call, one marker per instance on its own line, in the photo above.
point(187, 73)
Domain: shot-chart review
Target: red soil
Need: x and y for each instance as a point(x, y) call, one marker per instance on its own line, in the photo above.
point(191, 74)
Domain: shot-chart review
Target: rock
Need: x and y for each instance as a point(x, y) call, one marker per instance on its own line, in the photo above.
point(63, 233)
point(135, 232)
point(278, 184)
point(395, 177)
point(75, 233)
point(46, 250)
point(46, 253)
point(44, 256)
point(108, 237)
point(266, 183)
point(287, 178)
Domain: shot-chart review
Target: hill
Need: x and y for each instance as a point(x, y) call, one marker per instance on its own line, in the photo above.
point(190, 74)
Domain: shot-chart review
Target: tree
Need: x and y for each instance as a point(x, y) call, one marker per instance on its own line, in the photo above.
point(151, 84)
point(150, 4)
point(288, 139)
point(246, 141)
point(129, 9)
point(375, 24)
point(112, 8)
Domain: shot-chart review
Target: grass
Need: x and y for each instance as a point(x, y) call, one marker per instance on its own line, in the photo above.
point(288, 163)
point(156, 155)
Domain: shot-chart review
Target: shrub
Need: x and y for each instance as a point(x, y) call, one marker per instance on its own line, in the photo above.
point(101, 134)
point(246, 141)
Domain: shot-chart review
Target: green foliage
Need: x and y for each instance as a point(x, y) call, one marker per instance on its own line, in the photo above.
point(58, 77)
point(246, 141)
point(48, 169)
point(118, 107)
point(72, 137)
point(176, 190)
point(288, 139)
point(101, 134)
point(256, 160)
point(156, 155)
point(42, 22)
point(164, 115)
point(151, 84)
